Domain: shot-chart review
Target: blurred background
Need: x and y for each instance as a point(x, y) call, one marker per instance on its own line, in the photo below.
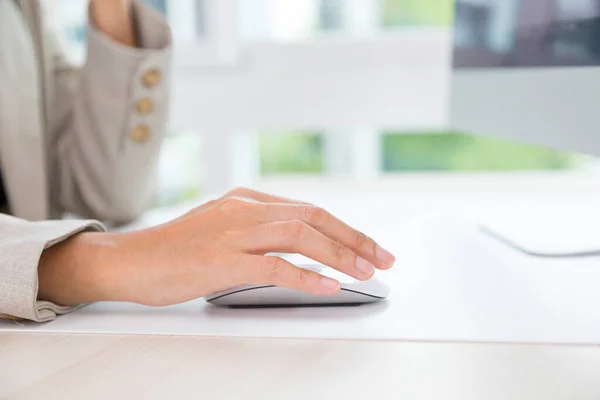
point(306, 89)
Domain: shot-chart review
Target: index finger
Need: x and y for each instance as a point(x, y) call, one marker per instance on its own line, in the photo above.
point(261, 196)
point(333, 227)
point(279, 272)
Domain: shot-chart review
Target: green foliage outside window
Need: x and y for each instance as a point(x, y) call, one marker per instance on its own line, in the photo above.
point(291, 153)
point(403, 151)
point(411, 152)
point(417, 12)
point(456, 152)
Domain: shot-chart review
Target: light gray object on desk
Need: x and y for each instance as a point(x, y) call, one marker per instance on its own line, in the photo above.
point(522, 85)
point(353, 292)
point(556, 231)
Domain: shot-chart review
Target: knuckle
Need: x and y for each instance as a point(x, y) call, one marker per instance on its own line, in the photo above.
point(338, 251)
point(304, 276)
point(273, 268)
point(239, 191)
point(293, 231)
point(200, 209)
point(314, 215)
point(230, 202)
point(208, 204)
point(361, 239)
point(233, 204)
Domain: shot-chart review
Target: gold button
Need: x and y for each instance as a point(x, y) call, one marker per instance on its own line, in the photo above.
point(140, 134)
point(151, 78)
point(144, 105)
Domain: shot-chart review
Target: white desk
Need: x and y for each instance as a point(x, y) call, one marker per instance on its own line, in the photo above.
point(69, 366)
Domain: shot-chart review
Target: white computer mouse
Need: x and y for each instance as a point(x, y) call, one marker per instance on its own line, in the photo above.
point(353, 292)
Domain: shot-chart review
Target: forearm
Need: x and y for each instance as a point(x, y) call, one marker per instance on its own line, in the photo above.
point(78, 270)
point(115, 18)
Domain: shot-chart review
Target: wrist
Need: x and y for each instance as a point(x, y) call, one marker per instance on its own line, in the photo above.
point(80, 270)
point(110, 12)
point(110, 6)
point(114, 18)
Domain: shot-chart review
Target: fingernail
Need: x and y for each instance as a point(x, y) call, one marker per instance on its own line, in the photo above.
point(330, 284)
point(385, 256)
point(364, 266)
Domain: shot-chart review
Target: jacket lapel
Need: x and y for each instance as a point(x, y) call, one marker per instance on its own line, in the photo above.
point(23, 143)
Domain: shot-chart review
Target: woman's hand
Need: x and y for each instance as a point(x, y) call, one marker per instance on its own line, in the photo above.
point(219, 245)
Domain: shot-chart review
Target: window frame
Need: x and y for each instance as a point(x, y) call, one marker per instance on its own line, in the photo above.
point(217, 43)
point(350, 86)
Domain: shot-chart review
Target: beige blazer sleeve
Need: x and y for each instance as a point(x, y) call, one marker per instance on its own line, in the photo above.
point(106, 124)
point(109, 122)
point(21, 246)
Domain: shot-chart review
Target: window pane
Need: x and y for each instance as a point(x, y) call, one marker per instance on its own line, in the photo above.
point(509, 33)
point(291, 152)
point(160, 5)
point(577, 35)
point(456, 152)
point(294, 20)
point(398, 13)
point(577, 9)
point(179, 168)
point(331, 15)
point(289, 20)
point(186, 17)
point(277, 20)
point(73, 17)
point(303, 153)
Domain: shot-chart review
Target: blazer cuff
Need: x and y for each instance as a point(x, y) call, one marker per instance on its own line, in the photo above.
point(124, 92)
point(152, 28)
point(153, 31)
point(20, 254)
point(118, 71)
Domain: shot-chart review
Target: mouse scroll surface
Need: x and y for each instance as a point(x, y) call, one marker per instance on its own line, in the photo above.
point(353, 292)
